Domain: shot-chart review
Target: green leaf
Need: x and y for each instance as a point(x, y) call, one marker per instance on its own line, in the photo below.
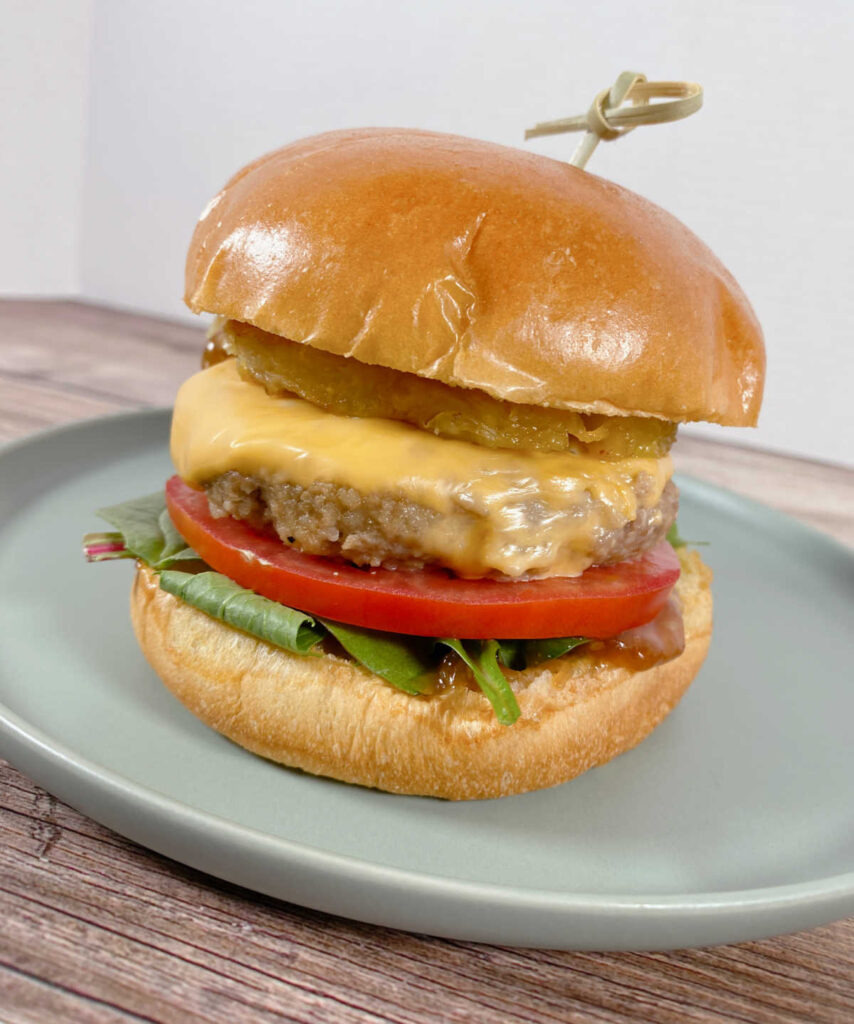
point(223, 599)
point(174, 545)
point(554, 647)
point(139, 523)
point(400, 660)
point(483, 663)
point(184, 555)
point(148, 532)
point(673, 537)
point(512, 653)
point(521, 654)
point(676, 540)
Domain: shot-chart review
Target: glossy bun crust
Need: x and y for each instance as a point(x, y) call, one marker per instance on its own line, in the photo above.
point(480, 266)
point(331, 717)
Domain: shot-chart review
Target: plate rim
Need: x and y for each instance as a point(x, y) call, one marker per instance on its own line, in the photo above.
point(43, 746)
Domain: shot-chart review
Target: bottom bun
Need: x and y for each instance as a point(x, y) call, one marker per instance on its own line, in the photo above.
point(329, 716)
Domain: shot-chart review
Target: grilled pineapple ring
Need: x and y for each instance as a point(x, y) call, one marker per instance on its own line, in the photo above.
point(350, 388)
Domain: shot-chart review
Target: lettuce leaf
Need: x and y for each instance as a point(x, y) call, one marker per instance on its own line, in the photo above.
point(223, 599)
point(676, 540)
point(512, 653)
point(553, 647)
point(175, 548)
point(401, 660)
point(522, 654)
point(148, 531)
point(482, 661)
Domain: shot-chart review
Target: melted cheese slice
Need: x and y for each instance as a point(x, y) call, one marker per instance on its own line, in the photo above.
point(515, 513)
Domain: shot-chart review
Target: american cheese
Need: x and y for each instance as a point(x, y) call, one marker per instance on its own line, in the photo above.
point(497, 511)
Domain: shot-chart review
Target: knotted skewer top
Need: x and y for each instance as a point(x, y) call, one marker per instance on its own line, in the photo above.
point(608, 119)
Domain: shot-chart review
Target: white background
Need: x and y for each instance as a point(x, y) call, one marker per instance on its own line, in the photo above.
point(122, 118)
point(44, 94)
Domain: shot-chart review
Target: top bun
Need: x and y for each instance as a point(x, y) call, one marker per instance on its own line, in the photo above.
point(483, 267)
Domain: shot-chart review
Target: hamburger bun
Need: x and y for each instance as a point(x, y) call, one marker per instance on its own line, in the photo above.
point(484, 267)
point(329, 716)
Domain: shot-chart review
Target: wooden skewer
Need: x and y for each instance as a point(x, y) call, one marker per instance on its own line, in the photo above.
point(608, 119)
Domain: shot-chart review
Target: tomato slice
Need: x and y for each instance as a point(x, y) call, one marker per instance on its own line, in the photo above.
point(600, 603)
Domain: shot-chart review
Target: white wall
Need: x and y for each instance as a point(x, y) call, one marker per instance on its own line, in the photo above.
point(44, 75)
point(183, 92)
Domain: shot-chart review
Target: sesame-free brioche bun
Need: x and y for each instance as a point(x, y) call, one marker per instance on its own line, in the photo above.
point(481, 266)
point(330, 716)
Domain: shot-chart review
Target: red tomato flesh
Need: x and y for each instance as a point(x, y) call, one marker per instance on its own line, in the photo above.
point(601, 603)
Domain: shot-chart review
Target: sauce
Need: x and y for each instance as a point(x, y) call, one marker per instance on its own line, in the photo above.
point(452, 671)
point(214, 351)
point(636, 649)
point(645, 646)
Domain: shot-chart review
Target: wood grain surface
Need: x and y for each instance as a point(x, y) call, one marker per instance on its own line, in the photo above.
point(98, 929)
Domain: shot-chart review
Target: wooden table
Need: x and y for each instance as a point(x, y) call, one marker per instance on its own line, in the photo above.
point(95, 928)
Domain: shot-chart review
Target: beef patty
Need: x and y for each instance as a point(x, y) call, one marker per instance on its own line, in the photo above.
point(387, 530)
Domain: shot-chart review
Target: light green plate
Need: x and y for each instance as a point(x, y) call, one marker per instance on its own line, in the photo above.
point(734, 820)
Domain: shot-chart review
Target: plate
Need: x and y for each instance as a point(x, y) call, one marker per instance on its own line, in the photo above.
point(732, 821)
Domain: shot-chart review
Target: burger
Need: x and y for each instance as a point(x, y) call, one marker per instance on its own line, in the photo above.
point(417, 538)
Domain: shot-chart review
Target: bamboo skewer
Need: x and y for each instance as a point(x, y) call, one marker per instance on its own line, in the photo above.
point(609, 119)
